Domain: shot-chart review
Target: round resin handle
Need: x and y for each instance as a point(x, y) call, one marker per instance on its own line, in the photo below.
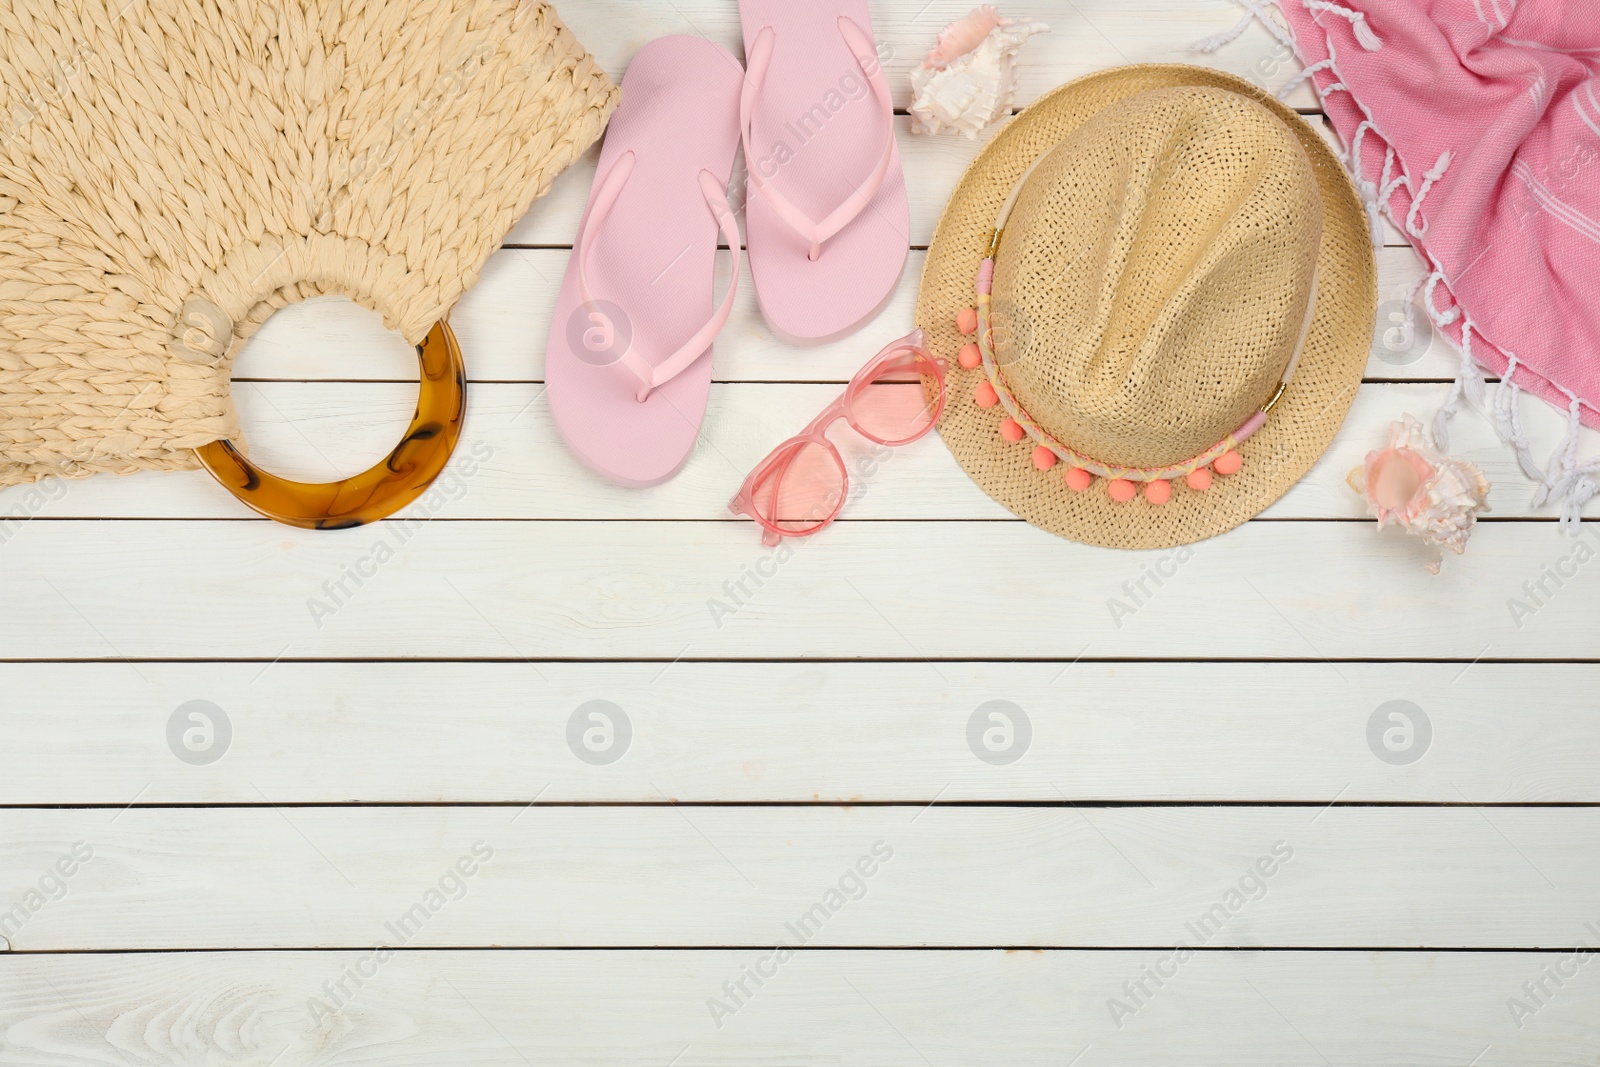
point(388, 486)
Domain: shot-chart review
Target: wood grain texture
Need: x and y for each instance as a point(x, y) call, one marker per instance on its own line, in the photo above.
point(932, 167)
point(859, 590)
point(323, 431)
point(911, 875)
point(498, 732)
point(1086, 36)
point(504, 320)
point(820, 709)
point(822, 1008)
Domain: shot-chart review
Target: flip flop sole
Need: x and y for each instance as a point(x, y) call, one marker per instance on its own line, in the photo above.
point(818, 132)
point(651, 268)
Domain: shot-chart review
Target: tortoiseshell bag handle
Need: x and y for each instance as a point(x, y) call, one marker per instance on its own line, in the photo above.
point(388, 486)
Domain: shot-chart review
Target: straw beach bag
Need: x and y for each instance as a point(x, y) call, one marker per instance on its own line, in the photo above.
point(174, 171)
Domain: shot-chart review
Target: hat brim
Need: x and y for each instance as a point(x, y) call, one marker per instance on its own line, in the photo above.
point(1302, 424)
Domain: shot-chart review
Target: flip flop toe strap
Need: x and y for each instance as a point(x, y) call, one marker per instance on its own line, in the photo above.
point(813, 232)
point(653, 375)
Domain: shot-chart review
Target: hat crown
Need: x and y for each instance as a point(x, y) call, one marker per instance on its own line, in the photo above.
point(1156, 274)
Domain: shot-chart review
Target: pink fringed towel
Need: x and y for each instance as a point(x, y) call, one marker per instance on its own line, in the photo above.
point(1475, 126)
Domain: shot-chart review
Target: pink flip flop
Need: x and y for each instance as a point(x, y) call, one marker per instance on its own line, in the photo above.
point(825, 212)
point(628, 363)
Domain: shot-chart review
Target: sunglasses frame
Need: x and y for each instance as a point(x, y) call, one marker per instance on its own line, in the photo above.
point(816, 432)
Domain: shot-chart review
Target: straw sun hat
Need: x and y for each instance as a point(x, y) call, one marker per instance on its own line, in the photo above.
point(1179, 253)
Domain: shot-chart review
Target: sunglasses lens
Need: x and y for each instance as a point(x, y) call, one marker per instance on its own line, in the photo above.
point(802, 489)
point(892, 405)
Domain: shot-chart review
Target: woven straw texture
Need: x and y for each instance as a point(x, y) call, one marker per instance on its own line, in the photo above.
point(174, 171)
point(1149, 291)
point(1156, 273)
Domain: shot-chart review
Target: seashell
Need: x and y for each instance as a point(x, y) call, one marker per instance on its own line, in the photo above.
point(970, 77)
point(1425, 492)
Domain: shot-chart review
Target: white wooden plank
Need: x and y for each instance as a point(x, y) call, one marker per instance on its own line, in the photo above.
point(324, 431)
point(859, 590)
point(822, 1008)
point(80, 733)
point(666, 875)
point(503, 323)
point(1087, 36)
point(932, 167)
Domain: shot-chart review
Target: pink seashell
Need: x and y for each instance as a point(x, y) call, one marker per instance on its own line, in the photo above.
point(970, 78)
point(1393, 476)
point(962, 36)
point(1425, 492)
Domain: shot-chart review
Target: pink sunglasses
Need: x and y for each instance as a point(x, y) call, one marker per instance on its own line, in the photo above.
point(802, 484)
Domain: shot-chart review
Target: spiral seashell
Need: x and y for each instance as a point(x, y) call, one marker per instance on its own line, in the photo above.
point(970, 77)
point(1425, 492)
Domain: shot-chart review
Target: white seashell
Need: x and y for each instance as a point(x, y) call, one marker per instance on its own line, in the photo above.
point(1426, 492)
point(970, 77)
